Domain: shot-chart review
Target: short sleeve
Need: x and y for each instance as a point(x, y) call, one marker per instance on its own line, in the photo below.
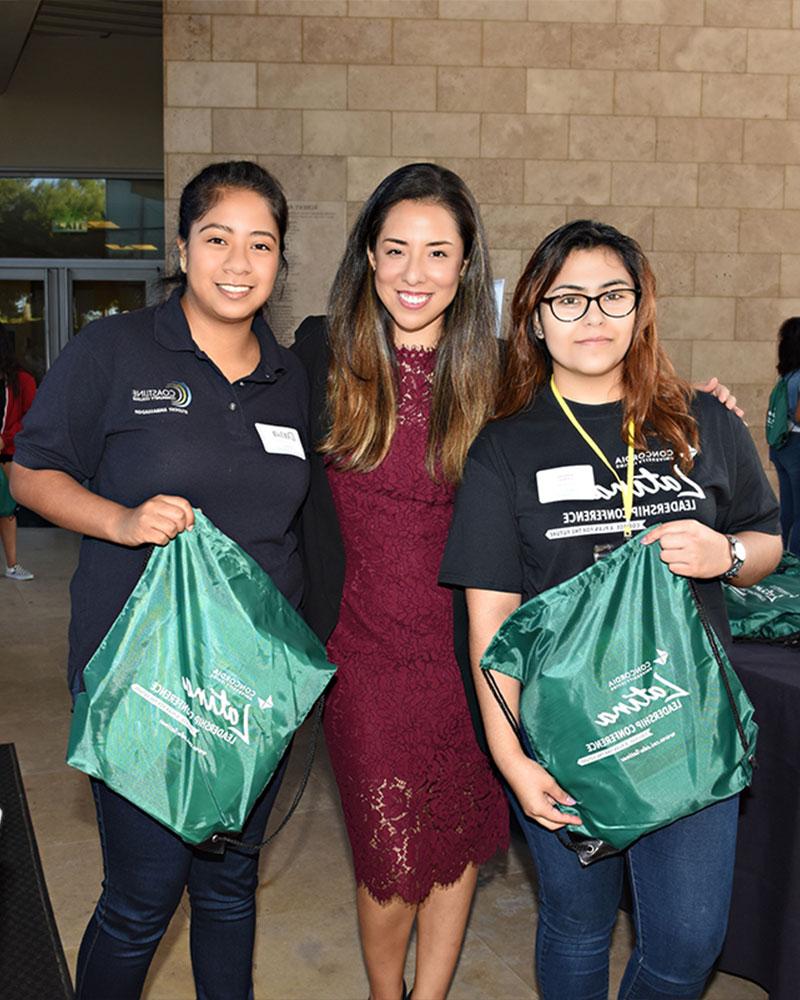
point(65, 426)
point(753, 506)
point(483, 548)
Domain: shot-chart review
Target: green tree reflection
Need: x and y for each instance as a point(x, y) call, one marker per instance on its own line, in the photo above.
point(31, 210)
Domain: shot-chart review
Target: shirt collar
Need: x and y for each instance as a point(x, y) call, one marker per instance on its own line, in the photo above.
point(172, 332)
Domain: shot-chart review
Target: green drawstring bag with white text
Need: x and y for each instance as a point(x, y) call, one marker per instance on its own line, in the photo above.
point(628, 698)
point(769, 611)
point(193, 696)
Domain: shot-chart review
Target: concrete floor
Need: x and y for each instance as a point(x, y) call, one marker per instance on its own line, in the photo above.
point(307, 940)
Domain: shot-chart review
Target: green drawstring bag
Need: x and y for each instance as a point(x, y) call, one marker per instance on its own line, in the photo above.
point(768, 611)
point(8, 504)
point(193, 696)
point(628, 699)
point(779, 420)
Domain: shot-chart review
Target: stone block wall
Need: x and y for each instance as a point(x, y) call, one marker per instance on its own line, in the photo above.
point(675, 120)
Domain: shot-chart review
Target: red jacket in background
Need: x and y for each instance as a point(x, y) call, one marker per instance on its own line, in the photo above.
point(13, 407)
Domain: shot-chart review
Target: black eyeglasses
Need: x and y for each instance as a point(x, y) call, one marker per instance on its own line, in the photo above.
point(615, 303)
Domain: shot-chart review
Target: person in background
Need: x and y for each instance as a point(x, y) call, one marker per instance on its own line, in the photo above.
point(787, 459)
point(403, 375)
point(17, 389)
point(159, 411)
point(584, 348)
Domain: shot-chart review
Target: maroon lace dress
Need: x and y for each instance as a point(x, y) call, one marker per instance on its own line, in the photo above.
point(419, 798)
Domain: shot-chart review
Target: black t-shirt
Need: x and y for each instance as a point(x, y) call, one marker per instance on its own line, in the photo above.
point(536, 500)
point(135, 408)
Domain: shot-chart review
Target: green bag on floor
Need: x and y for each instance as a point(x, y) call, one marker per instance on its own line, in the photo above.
point(7, 503)
point(193, 696)
point(768, 611)
point(628, 699)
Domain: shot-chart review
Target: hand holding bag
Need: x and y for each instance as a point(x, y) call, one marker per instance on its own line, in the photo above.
point(195, 692)
point(628, 699)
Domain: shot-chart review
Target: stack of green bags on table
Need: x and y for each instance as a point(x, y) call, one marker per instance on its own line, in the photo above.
point(768, 611)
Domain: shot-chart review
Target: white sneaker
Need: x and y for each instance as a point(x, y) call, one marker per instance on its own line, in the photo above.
point(18, 572)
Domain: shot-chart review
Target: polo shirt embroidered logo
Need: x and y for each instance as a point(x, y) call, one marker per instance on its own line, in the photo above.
point(177, 394)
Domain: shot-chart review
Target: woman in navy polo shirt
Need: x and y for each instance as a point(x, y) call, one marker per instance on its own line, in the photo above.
point(156, 411)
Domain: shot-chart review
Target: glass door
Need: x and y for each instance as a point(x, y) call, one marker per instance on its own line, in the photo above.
point(26, 300)
point(45, 303)
point(97, 292)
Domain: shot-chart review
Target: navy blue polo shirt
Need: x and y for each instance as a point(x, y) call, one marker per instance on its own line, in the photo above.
point(134, 407)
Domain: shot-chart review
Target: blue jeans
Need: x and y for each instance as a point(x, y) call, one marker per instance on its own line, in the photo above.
point(681, 880)
point(146, 868)
point(787, 464)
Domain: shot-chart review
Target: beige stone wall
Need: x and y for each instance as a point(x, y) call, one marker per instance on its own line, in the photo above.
point(676, 120)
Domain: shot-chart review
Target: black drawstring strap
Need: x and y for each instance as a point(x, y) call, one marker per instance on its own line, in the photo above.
point(498, 694)
point(217, 842)
point(712, 639)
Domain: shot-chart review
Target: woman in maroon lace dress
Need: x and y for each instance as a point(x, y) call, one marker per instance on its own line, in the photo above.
point(404, 375)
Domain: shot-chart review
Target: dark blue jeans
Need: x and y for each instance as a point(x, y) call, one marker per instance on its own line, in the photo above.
point(146, 869)
point(787, 464)
point(681, 881)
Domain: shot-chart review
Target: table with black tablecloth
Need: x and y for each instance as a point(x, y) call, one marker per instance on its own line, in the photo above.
point(763, 941)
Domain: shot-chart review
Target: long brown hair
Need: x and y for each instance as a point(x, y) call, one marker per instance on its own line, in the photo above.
point(654, 397)
point(362, 397)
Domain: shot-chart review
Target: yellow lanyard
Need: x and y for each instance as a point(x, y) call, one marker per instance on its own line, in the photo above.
point(627, 487)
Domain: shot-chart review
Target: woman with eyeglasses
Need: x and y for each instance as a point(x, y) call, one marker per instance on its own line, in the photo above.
point(537, 504)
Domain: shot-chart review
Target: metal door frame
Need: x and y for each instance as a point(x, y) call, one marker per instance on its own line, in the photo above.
point(58, 276)
point(40, 271)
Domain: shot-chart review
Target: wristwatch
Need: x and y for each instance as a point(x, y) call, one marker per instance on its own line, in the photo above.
point(738, 556)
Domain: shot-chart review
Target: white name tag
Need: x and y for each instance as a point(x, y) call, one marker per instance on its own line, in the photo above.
point(566, 482)
point(280, 440)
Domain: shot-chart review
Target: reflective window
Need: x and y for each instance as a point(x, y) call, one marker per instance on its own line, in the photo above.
point(66, 217)
point(94, 299)
point(22, 312)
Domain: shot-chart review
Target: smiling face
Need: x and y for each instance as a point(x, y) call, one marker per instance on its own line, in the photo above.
point(588, 354)
point(231, 258)
point(418, 260)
